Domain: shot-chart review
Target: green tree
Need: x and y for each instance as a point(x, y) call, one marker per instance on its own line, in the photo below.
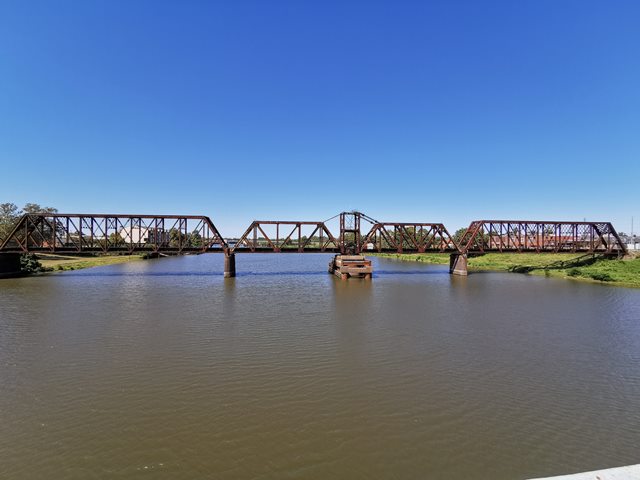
point(481, 238)
point(195, 239)
point(459, 234)
point(177, 238)
point(35, 208)
point(9, 215)
point(116, 239)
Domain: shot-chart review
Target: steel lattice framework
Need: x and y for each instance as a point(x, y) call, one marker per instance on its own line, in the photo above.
point(288, 237)
point(541, 236)
point(409, 238)
point(78, 233)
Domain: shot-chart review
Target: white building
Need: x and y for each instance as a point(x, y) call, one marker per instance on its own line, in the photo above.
point(144, 235)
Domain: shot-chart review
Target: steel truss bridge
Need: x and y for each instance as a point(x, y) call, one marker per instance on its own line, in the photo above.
point(355, 233)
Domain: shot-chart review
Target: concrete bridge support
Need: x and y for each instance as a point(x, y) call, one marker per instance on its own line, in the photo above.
point(458, 264)
point(9, 264)
point(229, 265)
point(347, 266)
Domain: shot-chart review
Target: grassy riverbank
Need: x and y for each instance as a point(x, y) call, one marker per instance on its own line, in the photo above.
point(624, 272)
point(55, 262)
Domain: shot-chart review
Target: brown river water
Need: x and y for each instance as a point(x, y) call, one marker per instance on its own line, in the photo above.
point(164, 369)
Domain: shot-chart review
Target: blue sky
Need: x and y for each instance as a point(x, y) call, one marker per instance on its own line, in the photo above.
point(415, 111)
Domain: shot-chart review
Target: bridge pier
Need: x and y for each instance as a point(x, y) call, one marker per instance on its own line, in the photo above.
point(347, 266)
point(458, 264)
point(9, 264)
point(229, 265)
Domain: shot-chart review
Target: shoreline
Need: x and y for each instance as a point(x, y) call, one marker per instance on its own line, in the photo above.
point(614, 272)
point(54, 263)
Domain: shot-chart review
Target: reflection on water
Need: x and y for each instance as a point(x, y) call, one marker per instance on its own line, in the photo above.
point(286, 371)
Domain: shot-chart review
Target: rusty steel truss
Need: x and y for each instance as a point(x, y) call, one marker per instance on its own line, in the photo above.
point(409, 238)
point(484, 236)
point(79, 233)
point(288, 237)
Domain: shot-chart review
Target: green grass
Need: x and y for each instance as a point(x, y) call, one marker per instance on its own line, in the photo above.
point(53, 263)
point(624, 272)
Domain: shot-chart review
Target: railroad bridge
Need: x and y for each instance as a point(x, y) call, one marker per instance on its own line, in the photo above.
point(356, 234)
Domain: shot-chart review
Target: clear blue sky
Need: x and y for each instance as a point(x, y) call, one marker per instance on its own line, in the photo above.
point(427, 111)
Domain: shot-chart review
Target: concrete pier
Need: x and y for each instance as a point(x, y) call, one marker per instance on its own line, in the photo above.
point(229, 265)
point(9, 264)
point(347, 266)
point(458, 264)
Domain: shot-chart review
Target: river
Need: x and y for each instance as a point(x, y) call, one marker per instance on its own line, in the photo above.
point(164, 366)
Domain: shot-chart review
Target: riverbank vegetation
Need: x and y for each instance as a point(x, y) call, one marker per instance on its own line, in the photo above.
point(623, 272)
point(57, 262)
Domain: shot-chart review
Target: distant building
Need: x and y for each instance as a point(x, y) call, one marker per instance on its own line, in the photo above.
point(144, 235)
point(542, 241)
point(231, 241)
point(632, 242)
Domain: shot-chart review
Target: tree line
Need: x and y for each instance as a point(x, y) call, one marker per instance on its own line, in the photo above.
point(10, 213)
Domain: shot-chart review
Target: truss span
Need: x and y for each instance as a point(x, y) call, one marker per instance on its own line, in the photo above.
point(483, 236)
point(80, 233)
point(409, 238)
point(286, 236)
